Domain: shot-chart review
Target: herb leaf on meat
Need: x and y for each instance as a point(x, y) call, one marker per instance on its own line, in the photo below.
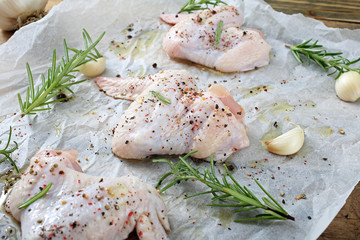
point(218, 32)
point(160, 97)
point(230, 194)
point(35, 197)
point(193, 5)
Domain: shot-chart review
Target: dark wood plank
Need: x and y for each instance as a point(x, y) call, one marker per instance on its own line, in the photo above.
point(335, 24)
point(334, 13)
point(346, 224)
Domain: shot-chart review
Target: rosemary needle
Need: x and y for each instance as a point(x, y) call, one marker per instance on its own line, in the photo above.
point(193, 5)
point(6, 152)
point(161, 97)
point(59, 77)
point(36, 197)
point(326, 60)
point(230, 194)
point(218, 32)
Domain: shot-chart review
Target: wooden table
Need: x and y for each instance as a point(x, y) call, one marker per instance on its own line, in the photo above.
point(334, 13)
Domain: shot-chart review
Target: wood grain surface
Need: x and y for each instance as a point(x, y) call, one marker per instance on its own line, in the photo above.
point(334, 13)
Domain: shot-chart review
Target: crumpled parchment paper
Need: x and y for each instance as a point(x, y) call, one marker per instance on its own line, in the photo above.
point(326, 169)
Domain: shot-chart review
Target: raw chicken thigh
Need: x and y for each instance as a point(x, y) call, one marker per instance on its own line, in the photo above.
point(193, 38)
point(207, 121)
point(79, 206)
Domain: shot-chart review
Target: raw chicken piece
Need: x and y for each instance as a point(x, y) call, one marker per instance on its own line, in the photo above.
point(79, 206)
point(209, 122)
point(193, 38)
point(173, 19)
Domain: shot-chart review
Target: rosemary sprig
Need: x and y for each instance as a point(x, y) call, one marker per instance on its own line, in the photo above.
point(6, 152)
point(326, 60)
point(59, 77)
point(218, 32)
point(193, 5)
point(161, 97)
point(35, 197)
point(232, 194)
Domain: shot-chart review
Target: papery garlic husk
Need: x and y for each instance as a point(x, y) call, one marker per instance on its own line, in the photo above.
point(287, 143)
point(93, 68)
point(347, 87)
point(14, 12)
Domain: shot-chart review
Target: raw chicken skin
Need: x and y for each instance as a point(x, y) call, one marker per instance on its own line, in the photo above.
point(193, 38)
point(79, 206)
point(207, 121)
point(173, 19)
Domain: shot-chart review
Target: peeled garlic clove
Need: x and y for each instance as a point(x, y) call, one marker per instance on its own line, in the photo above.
point(347, 87)
point(287, 143)
point(93, 68)
point(14, 12)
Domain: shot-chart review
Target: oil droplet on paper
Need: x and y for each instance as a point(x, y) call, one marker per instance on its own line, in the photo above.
point(282, 107)
point(271, 134)
point(255, 91)
point(309, 104)
point(2, 119)
point(137, 46)
point(326, 131)
point(225, 217)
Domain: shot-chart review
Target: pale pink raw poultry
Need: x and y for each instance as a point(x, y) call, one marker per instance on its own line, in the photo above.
point(210, 122)
point(79, 206)
point(193, 38)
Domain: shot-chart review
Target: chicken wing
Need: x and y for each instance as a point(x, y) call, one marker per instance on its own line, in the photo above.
point(206, 121)
point(193, 38)
point(79, 206)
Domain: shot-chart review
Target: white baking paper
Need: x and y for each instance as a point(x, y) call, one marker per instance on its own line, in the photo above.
point(326, 169)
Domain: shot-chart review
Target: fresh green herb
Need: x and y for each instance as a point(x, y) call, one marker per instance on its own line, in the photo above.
point(59, 77)
point(232, 194)
point(87, 41)
point(193, 5)
point(6, 152)
point(218, 32)
point(326, 60)
point(36, 197)
point(160, 97)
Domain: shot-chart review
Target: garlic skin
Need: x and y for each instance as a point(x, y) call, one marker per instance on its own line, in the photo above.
point(14, 12)
point(93, 68)
point(287, 143)
point(347, 87)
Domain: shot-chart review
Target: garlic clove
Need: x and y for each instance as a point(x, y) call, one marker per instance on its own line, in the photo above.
point(93, 68)
point(7, 23)
point(347, 87)
point(287, 143)
point(14, 12)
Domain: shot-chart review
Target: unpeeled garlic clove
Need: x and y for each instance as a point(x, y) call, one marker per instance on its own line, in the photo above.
point(287, 143)
point(14, 12)
point(93, 68)
point(347, 87)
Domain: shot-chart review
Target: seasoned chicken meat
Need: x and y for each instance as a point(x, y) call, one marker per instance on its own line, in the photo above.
point(180, 120)
point(79, 206)
point(193, 38)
